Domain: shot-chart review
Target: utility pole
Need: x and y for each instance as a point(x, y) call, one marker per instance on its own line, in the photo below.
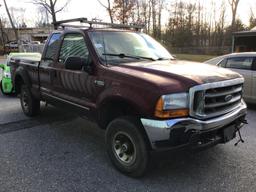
point(123, 11)
point(11, 21)
point(2, 33)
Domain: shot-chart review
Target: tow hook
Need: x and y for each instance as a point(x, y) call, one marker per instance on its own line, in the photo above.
point(238, 126)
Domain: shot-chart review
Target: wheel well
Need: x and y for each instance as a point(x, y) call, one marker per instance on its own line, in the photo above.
point(112, 109)
point(18, 82)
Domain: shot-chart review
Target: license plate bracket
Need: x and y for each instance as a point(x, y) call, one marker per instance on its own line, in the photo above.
point(229, 133)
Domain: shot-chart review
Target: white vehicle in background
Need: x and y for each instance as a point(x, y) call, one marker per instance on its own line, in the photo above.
point(243, 63)
point(35, 42)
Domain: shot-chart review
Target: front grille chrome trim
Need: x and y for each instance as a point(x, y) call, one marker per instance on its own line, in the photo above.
point(235, 99)
point(223, 93)
point(207, 86)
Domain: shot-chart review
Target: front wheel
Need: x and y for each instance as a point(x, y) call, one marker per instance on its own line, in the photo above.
point(127, 147)
point(29, 104)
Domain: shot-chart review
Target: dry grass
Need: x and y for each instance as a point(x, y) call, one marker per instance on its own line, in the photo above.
point(197, 58)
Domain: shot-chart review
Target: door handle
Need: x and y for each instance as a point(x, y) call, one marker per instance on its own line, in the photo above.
point(99, 83)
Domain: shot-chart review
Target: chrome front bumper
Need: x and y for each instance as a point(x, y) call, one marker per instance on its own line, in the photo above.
point(160, 130)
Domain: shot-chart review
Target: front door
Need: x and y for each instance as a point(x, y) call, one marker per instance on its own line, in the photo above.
point(74, 86)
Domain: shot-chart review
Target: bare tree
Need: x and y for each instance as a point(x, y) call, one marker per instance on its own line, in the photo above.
point(18, 16)
point(42, 18)
point(222, 22)
point(234, 5)
point(11, 21)
point(160, 9)
point(2, 32)
point(109, 9)
point(146, 14)
point(51, 7)
point(252, 19)
point(123, 9)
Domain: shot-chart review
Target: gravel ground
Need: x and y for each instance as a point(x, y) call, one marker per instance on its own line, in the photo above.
point(59, 151)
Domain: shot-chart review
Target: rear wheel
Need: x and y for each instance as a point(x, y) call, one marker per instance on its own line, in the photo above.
point(126, 147)
point(29, 104)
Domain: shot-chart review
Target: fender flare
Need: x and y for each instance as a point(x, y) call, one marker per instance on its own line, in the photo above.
point(137, 102)
point(24, 76)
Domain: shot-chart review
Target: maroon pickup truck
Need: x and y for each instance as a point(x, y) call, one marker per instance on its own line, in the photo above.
point(132, 87)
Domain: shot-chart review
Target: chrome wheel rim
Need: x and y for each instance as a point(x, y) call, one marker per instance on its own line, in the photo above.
point(124, 148)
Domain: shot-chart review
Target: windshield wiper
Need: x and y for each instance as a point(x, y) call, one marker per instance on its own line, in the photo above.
point(122, 55)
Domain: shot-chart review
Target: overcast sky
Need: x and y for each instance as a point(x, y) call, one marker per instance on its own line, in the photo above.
point(92, 9)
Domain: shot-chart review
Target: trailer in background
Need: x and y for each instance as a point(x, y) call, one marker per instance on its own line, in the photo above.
point(244, 41)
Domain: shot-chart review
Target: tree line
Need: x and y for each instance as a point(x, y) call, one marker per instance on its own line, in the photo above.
point(188, 23)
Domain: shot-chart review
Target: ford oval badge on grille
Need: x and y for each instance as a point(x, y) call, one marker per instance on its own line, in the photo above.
point(228, 98)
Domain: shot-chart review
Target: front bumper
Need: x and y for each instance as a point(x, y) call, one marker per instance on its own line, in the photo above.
point(173, 133)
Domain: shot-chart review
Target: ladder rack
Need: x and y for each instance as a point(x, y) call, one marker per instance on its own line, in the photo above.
point(63, 24)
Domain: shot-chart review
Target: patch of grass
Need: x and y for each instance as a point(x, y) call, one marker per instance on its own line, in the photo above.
point(197, 58)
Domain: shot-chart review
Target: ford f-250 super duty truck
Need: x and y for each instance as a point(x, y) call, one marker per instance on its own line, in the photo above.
point(132, 87)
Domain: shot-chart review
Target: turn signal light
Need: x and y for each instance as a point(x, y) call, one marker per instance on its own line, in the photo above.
point(172, 113)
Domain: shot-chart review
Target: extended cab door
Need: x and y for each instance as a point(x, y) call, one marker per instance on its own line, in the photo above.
point(46, 72)
point(243, 65)
point(75, 87)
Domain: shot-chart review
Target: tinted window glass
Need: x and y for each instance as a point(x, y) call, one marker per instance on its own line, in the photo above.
point(73, 45)
point(52, 46)
point(240, 63)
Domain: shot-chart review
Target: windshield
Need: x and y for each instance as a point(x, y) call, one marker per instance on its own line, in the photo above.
point(115, 47)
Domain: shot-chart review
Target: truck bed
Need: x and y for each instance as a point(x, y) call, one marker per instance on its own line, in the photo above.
point(29, 63)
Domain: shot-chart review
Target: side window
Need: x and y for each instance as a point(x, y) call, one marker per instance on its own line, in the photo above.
point(244, 63)
point(52, 46)
point(223, 63)
point(73, 45)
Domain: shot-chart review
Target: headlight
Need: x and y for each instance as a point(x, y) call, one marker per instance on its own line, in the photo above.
point(7, 74)
point(175, 101)
point(173, 105)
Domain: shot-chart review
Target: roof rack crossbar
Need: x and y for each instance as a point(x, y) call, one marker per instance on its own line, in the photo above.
point(84, 20)
point(63, 26)
point(81, 19)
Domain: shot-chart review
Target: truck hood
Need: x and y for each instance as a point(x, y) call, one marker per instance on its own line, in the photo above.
point(199, 73)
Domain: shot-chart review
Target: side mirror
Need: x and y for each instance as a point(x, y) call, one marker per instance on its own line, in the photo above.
point(74, 63)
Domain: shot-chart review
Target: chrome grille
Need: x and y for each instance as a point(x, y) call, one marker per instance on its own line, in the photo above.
point(215, 99)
